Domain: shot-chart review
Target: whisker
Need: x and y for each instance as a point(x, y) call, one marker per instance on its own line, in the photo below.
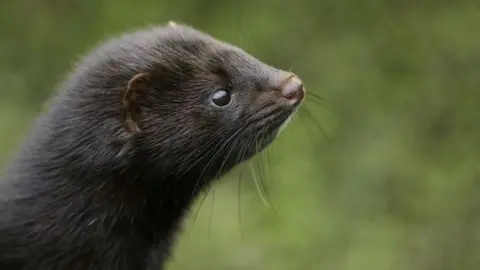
point(259, 189)
point(210, 162)
point(211, 212)
point(197, 156)
point(243, 148)
point(315, 99)
point(306, 125)
point(232, 146)
point(259, 163)
point(197, 211)
point(315, 122)
point(239, 204)
point(219, 149)
point(194, 190)
point(316, 95)
point(269, 164)
point(262, 169)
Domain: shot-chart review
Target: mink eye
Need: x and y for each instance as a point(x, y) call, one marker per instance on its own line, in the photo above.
point(221, 97)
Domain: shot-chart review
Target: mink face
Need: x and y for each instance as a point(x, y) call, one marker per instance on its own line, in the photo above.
point(140, 126)
point(206, 105)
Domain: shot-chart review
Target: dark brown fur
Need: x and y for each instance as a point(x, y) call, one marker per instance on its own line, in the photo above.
point(107, 173)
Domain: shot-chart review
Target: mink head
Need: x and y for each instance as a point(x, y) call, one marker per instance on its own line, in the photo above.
point(189, 103)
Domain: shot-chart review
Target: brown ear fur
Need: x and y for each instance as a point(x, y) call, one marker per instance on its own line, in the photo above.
point(130, 107)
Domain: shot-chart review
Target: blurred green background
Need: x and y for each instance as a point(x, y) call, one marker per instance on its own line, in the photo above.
point(394, 185)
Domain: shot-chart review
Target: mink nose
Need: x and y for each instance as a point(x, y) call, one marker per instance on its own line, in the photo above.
point(293, 90)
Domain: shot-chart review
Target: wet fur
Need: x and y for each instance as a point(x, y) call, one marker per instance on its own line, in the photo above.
point(106, 175)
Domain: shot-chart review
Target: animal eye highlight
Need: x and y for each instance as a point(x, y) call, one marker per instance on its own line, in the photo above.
point(221, 97)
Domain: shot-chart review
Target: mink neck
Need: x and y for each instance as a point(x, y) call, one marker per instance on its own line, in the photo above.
point(131, 196)
point(143, 193)
point(147, 202)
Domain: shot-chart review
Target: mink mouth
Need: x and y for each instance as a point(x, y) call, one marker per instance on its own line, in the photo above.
point(265, 125)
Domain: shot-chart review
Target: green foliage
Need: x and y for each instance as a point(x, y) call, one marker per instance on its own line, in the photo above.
point(394, 186)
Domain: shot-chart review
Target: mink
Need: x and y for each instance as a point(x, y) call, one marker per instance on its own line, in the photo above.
point(142, 124)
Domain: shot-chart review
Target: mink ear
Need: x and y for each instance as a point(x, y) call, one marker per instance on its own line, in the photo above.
point(130, 107)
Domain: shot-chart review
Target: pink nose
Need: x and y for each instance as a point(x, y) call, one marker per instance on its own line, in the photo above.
point(293, 90)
